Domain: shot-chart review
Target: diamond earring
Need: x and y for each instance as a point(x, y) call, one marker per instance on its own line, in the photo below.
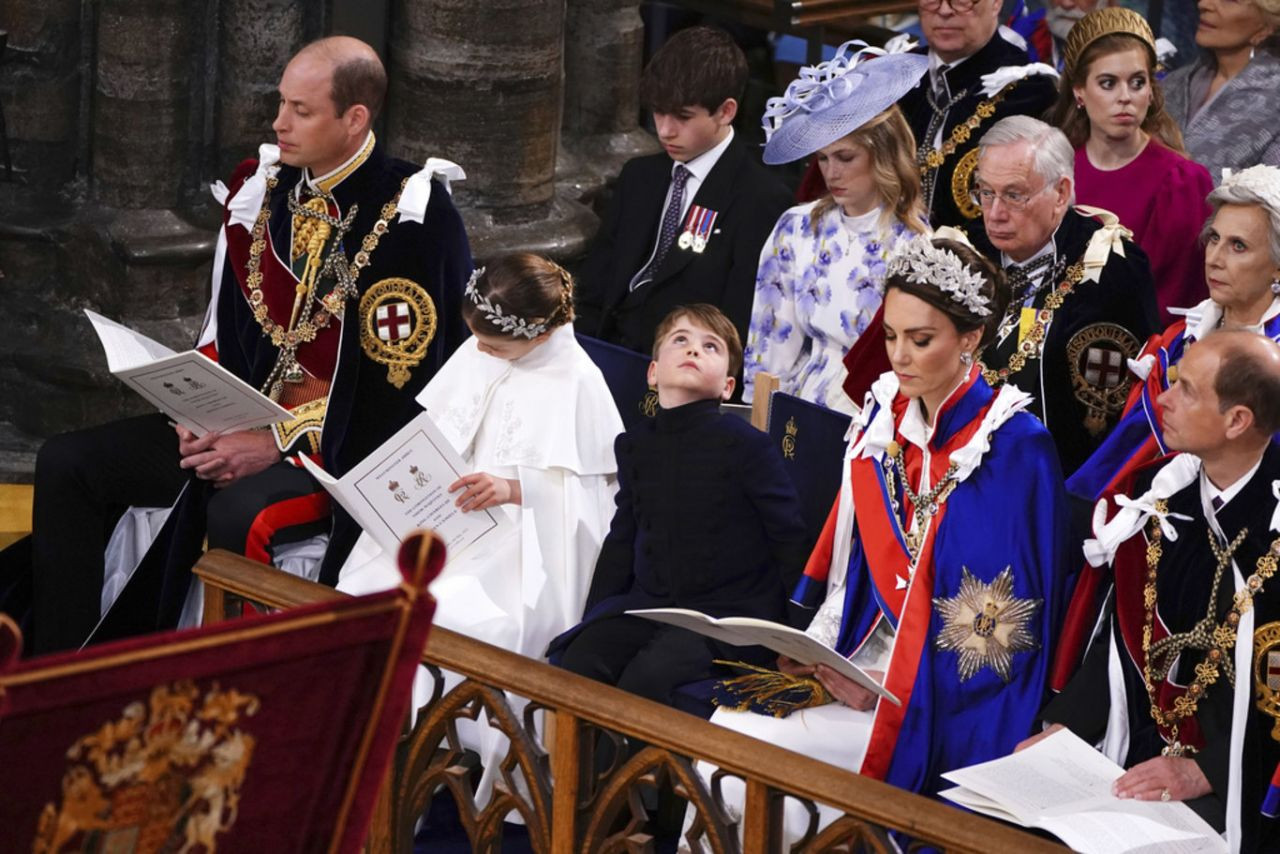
point(966, 358)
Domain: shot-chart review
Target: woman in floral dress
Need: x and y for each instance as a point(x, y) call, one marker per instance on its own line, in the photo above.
point(821, 276)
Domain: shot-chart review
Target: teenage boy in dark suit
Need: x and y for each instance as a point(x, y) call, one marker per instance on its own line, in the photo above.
point(685, 226)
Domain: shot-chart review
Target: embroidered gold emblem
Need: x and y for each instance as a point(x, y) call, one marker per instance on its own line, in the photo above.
point(166, 776)
point(985, 625)
point(1266, 673)
point(789, 440)
point(649, 403)
point(397, 324)
point(1096, 358)
point(962, 185)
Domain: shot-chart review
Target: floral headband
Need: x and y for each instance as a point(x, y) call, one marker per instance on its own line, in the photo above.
point(922, 263)
point(508, 323)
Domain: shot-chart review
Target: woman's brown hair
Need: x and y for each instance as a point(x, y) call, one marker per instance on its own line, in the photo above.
point(524, 286)
point(889, 141)
point(1074, 120)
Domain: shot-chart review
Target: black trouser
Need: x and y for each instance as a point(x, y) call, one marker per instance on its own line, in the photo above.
point(638, 655)
point(84, 482)
point(86, 479)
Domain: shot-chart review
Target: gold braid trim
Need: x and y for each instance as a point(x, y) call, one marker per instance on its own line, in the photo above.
point(307, 419)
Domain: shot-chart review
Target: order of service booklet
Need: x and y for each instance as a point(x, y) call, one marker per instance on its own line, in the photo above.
point(403, 486)
point(1062, 785)
point(751, 631)
point(189, 387)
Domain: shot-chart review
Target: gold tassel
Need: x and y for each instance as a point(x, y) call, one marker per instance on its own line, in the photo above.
point(769, 691)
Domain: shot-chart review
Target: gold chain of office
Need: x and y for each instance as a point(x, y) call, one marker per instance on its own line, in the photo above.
point(961, 133)
point(1030, 345)
point(1220, 643)
point(304, 330)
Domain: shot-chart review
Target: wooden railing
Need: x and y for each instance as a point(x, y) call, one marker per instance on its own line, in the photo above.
point(567, 806)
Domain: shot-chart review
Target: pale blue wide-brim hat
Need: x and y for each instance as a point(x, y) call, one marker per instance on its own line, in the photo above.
point(832, 99)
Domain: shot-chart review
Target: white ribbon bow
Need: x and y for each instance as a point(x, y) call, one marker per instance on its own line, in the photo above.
point(245, 205)
point(1002, 77)
point(1141, 368)
point(1275, 514)
point(1107, 239)
point(417, 191)
point(1134, 512)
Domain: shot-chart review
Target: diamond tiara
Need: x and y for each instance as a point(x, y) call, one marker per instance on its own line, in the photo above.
point(509, 323)
point(923, 263)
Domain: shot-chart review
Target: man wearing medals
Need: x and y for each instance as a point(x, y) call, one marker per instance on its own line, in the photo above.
point(336, 289)
point(1182, 682)
point(1083, 299)
point(978, 74)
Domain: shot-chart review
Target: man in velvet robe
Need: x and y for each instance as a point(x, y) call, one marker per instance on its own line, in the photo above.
point(1206, 522)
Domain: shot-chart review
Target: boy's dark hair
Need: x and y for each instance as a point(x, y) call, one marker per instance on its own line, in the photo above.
point(697, 67)
point(525, 286)
point(708, 317)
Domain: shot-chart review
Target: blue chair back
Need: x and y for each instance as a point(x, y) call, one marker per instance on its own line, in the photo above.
point(626, 373)
point(811, 440)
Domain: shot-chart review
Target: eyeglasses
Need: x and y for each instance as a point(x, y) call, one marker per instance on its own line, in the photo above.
point(960, 6)
point(1014, 200)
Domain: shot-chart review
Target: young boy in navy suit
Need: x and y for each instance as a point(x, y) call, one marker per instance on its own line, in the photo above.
point(687, 225)
point(707, 518)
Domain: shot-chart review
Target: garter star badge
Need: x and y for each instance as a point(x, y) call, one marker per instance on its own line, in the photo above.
point(985, 625)
point(397, 324)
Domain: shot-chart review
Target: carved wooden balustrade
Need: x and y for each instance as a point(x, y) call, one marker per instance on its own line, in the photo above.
point(550, 776)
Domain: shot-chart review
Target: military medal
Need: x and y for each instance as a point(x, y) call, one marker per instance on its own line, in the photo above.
point(687, 230)
point(686, 240)
point(702, 228)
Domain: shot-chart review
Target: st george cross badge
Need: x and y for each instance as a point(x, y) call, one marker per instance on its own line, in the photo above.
point(394, 321)
point(397, 324)
point(1097, 357)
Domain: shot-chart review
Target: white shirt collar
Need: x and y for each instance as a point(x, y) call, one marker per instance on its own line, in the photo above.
point(702, 165)
point(1050, 248)
point(936, 62)
point(913, 426)
point(1208, 489)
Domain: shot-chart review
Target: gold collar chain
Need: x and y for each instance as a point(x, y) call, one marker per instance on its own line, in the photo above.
point(960, 134)
point(332, 304)
point(1032, 344)
point(924, 507)
point(1220, 643)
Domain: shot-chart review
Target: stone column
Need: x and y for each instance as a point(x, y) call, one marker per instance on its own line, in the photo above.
point(251, 58)
point(603, 54)
point(147, 59)
point(481, 84)
point(40, 79)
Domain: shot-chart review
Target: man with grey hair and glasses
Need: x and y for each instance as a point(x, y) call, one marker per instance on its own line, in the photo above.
point(1083, 299)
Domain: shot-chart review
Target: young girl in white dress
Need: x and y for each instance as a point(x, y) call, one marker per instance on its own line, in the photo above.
point(525, 406)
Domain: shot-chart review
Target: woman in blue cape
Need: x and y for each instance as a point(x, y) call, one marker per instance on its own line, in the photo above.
point(941, 567)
